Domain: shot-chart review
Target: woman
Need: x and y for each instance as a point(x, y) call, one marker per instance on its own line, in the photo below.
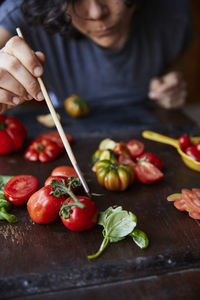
point(110, 53)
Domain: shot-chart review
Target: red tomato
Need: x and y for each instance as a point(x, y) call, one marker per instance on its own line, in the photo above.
point(192, 152)
point(43, 207)
point(55, 137)
point(184, 141)
point(43, 150)
point(147, 173)
point(58, 178)
point(198, 146)
point(66, 171)
point(12, 134)
point(19, 188)
point(80, 218)
point(151, 158)
point(125, 160)
point(121, 149)
point(135, 147)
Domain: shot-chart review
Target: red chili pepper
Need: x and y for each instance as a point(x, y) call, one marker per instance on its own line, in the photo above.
point(42, 150)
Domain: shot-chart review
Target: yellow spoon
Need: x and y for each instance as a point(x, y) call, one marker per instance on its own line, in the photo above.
point(189, 161)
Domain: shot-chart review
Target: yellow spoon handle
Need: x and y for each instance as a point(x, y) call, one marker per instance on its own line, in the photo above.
point(154, 136)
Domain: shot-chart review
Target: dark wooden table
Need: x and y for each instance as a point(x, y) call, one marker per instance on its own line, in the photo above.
point(49, 262)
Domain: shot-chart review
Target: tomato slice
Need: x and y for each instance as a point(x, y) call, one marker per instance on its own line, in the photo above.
point(19, 188)
point(181, 205)
point(192, 199)
point(55, 137)
point(151, 158)
point(135, 147)
point(147, 173)
point(66, 171)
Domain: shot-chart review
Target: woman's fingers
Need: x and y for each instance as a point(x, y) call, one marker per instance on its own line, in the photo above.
point(40, 55)
point(18, 48)
point(21, 74)
point(9, 98)
point(160, 86)
point(169, 91)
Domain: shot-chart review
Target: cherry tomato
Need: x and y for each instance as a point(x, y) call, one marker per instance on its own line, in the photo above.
point(55, 137)
point(135, 147)
point(80, 218)
point(198, 146)
point(66, 171)
point(12, 134)
point(43, 150)
point(19, 188)
point(147, 173)
point(122, 149)
point(192, 152)
point(151, 158)
point(58, 178)
point(76, 106)
point(43, 207)
point(184, 141)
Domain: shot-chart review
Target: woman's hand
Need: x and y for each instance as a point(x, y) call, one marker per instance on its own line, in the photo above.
point(169, 91)
point(19, 69)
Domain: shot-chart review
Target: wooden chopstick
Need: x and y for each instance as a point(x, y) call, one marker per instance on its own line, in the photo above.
point(60, 129)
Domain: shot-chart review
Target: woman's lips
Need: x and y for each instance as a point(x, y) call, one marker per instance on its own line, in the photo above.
point(105, 32)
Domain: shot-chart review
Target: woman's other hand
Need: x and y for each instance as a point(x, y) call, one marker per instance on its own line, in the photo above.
point(169, 90)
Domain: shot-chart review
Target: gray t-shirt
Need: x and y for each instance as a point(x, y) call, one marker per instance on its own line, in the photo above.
point(161, 30)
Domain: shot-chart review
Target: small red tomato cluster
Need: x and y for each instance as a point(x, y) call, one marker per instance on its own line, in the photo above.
point(57, 198)
point(189, 148)
point(117, 163)
point(12, 134)
point(147, 166)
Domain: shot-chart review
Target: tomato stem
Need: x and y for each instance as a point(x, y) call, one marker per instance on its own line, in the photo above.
point(60, 188)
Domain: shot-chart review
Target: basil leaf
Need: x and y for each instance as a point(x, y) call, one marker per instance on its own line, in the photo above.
point(120, 224)
point(140, 238)
point(3, 180)
point(103, 216)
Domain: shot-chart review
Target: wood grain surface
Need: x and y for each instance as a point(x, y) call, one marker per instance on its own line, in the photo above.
point(49, 261)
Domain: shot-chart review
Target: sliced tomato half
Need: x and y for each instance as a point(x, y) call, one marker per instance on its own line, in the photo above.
point(147, 173)
point(152, 158)
point(19, 188)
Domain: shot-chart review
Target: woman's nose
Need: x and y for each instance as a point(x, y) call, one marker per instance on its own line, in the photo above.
point(96, 9)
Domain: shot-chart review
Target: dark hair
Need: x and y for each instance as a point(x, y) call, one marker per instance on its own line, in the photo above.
point(51, 14)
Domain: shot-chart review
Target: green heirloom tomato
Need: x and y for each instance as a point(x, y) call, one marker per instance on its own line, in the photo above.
point(76, 106)
point(113, 176)
point(103, 154)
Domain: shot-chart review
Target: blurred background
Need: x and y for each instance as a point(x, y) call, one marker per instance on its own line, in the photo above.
point(189, 62)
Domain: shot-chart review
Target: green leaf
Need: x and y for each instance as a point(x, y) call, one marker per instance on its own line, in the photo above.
point(140, 238)
point(103, 216)
point(3, 180)
point(120, 224)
